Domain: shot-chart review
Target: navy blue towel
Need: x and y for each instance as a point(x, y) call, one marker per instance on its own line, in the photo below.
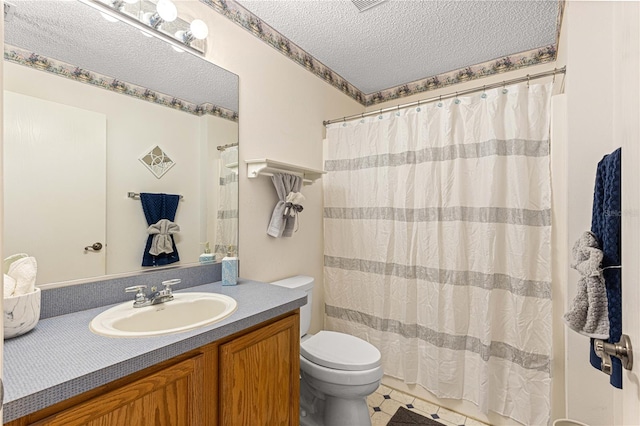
point(606, 225)
point(156, 207)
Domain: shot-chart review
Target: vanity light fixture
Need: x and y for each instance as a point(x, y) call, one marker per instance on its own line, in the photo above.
point(197, 30)
point(166, 11)
point(119, 4)
point(159, 20)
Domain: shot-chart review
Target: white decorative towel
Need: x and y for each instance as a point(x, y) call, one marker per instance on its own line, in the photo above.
point(161, 231)
point(589, 313)
point(24, 271)
point(9, 285)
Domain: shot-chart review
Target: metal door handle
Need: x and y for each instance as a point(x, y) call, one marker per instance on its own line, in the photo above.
point(94, 247)
point(621, 350)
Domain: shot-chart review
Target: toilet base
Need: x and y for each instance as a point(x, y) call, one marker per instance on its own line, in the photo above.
point(346, 412)
point(317, 409)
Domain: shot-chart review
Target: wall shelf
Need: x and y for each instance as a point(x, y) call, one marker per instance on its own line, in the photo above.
point(266, 167)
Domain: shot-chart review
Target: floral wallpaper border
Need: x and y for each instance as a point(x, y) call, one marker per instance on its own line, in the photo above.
point(241, 16)
point(62, 69)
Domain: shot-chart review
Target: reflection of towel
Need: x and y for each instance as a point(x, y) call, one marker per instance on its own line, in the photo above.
point(161, 231)
point(157, 207)
point(21, 276)
point(589, 313)
point(606, 226)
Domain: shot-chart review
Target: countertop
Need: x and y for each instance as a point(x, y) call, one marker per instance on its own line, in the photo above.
point(62, 358)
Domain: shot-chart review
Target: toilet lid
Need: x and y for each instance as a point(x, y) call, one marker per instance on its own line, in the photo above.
point(340, 351)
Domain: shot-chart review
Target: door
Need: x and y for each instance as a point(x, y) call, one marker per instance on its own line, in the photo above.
point(627, 111)
point(57, 152)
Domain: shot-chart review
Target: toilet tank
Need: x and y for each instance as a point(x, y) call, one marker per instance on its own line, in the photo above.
point(304, 283)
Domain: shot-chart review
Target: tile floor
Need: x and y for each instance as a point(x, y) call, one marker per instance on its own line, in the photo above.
point(384, 402)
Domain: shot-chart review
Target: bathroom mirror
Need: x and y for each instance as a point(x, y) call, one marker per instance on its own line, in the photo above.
point(97, 112)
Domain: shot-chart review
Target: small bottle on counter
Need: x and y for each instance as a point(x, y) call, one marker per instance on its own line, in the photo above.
point(230, 268)
point(207, 256)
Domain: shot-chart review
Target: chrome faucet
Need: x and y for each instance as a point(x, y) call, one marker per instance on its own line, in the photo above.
point(155, 297)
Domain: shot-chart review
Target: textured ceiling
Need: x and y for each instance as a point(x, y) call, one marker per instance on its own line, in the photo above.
point(75, 33)
point(401, 41)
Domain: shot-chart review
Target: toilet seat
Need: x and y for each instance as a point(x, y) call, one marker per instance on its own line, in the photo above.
point(339, 351)
point(340, 377)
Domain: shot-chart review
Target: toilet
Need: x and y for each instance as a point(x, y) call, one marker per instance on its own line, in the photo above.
point(337, 371)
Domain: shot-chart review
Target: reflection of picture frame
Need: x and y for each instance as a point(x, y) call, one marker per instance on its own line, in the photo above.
point(157, 161)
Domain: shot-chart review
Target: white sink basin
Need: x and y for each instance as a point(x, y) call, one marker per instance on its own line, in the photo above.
point(185, 312)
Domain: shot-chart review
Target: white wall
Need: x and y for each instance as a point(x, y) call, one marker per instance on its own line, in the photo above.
point(282, 107)
point(134, 126)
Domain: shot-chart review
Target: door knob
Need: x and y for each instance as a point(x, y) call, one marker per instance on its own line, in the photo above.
point(621, 350)
point(94, 247)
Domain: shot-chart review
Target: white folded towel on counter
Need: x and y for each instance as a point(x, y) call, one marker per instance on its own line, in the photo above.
point(20, 271)
point(9, 285)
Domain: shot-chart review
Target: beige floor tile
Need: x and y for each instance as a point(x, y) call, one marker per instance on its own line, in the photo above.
point(474, 422)
point(451, 416)
point(446, 423)
point(390, 406)
point(402, 397)
point(380, 419)
point(384, 390)
point(425, 406)
point(375, 399)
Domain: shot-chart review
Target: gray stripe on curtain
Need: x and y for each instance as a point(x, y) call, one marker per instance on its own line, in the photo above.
point(433, 214)
point(493, 147)
point(229, 179)
point(528, 360)
point(517, 286)
point(227, 214)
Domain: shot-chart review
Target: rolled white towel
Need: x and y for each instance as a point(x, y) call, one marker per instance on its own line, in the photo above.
point(24, 271)
point(9, 285)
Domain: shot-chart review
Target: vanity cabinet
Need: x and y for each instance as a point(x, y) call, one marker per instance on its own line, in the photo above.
point(259, 376)
point(250, 378)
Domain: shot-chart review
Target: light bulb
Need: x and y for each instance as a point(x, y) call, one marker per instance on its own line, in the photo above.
point(167, 10)
point(199, 29)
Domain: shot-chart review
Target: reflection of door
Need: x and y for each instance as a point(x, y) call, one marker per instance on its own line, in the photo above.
point(54, 186)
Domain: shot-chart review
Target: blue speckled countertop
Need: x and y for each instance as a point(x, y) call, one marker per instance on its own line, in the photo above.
point(62, 358)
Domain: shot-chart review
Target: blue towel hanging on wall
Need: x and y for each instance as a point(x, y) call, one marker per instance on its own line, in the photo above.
point(156, 207)
point(606, 224)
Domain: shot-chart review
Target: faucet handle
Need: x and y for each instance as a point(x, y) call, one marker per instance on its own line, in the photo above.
point(139, 290)
point(167, 284)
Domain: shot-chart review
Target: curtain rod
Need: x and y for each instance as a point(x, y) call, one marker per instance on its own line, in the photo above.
point(223, 147)
point(526, 78)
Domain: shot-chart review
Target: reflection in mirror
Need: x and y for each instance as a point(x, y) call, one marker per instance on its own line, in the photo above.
point(95, 110)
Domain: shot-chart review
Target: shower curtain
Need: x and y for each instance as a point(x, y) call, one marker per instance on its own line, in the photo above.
point(437, 227)
point(227, 220)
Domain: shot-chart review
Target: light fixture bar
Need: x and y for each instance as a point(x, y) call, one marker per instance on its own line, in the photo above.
point(104, 8)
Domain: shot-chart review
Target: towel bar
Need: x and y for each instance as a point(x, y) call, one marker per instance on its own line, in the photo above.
point(136, 196)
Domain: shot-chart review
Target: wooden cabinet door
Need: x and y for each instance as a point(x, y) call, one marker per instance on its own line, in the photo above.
point(170, 397)
point(259, 376)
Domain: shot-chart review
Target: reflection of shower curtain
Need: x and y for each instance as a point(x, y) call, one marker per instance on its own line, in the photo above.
point(437, 246)
point(227, 220)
